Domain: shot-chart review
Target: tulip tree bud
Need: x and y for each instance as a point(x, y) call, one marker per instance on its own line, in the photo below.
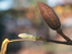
point(52, 19)
point(49, 16)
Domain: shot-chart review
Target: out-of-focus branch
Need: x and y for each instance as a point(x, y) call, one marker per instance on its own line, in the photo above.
point(54, 41)
point(60, 42)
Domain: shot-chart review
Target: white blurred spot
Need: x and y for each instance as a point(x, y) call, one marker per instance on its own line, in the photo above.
point(68, 22)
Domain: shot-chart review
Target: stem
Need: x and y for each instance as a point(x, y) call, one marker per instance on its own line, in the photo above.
point(54, 41)
point(63, 35)
point(60, 42)
point(22, 40)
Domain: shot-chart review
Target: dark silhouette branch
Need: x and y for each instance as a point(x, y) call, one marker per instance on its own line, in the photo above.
point(60, 42)
point(63, 35)
point(55, 41)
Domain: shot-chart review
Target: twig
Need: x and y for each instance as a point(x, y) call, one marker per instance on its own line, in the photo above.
point(54, 41)
point(60, 42)
point(63, 35)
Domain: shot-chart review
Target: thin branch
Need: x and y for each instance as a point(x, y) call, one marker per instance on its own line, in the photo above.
point(60, 42)
point(54, 41)
point(63, 35)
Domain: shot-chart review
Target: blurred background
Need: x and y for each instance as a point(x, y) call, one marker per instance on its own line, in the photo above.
point(23, 16)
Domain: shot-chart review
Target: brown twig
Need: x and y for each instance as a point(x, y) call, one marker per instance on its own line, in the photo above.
point(55, 41)
point(63, 35)
point(60, 42)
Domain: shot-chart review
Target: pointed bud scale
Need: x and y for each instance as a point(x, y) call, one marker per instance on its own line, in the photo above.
point(49, 16)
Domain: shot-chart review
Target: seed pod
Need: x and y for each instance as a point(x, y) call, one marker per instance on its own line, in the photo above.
point(49, 16)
